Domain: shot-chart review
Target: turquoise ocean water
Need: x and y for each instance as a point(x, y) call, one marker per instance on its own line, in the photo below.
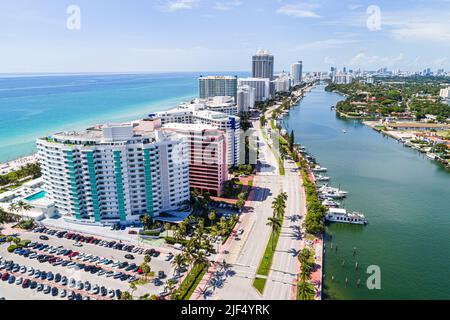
point(33, 106)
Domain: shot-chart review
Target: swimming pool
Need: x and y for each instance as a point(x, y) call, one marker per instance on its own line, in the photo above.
point(36, 196)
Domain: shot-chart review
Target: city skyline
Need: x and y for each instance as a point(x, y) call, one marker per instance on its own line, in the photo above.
point(168, 36)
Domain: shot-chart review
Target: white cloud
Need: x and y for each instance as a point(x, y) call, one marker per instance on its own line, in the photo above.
point(175, 5)
point(434, 31)
point(329, 60)
point(364, 60)
point(227, 5)
point(299, 10)
point(325, 44)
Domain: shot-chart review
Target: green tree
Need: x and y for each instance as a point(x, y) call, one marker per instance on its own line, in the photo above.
point(306, 290)
point(167, 227)
point(275, 224)
point(212, 216)
point(126, 296)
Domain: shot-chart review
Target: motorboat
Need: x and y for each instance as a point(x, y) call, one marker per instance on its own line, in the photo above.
point(319, 169)
point(330, 203)
point(342, 216)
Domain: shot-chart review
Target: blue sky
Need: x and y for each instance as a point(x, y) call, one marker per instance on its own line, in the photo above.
point(215, 35)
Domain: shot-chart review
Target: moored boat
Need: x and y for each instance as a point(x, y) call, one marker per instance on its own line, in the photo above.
point(319, 169)
point(342, 216)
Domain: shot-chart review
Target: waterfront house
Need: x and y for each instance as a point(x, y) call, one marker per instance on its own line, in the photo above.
point(417, 126)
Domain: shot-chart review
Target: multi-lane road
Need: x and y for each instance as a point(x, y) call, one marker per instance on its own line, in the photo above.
point(245, 255)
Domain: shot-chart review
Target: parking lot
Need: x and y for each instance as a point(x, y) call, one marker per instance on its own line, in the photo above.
point(81, 263)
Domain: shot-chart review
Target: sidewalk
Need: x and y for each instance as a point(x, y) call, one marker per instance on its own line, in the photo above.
point(223, 250)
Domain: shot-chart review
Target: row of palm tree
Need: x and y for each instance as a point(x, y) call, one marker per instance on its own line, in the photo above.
point(276, 221)
point(194, 254)
point(306, 290)
point(14, 210)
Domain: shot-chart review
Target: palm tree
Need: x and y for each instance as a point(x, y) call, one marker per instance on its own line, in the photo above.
point(222, 226)
point(306, 290)
point(12, 208)
point(179, 261)
point(275, 224)
point(200, 259)
point(212, 216)
point(147, 258)
point(170, 285)
point(22, 206)
point(167, 228)
point(278, 207)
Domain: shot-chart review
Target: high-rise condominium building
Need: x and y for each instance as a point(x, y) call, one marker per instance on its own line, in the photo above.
point(282, 83)
point(214, 86)
point(197, 114)
point(246, 98)
point(261, 86)
point(114, 173)
point(263, 65)
point(342, 78)
point(445, 93)
point(297, 73)
point(208, 168)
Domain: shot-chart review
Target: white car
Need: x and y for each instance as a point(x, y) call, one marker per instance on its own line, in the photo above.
point(77, 244)
point(19, 281)
point(178, 246)
point(240, 231)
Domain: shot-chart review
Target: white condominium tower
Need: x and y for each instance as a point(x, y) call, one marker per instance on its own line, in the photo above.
point(246, 98)
point(114, 173)
point(297, 73)
point(217, 86)
point(282, 83)
point(197, 113)
point(260, 85)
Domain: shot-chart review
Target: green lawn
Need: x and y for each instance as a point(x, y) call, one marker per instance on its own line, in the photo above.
point(259, 284)
point(191, 282)
point(281, 165)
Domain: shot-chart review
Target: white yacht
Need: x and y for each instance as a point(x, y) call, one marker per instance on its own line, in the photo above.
point(322, 178)
point(320, 169)
point(342, 216)
point(331, 192)
point(330, 203)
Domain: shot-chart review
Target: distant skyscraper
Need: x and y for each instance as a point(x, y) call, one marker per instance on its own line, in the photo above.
point(263, 65)
point(296, 73)
point(216, 86)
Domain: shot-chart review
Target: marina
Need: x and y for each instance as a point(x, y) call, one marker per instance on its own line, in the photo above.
point(402, 194)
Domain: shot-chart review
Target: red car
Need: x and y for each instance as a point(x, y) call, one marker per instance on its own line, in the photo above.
point(5, 276)
point(26, 283)
point(73, 254)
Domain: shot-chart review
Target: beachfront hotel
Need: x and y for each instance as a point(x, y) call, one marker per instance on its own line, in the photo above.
point(197, 113)
point(115, 173)
point(208, 168)
point(217, 86)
